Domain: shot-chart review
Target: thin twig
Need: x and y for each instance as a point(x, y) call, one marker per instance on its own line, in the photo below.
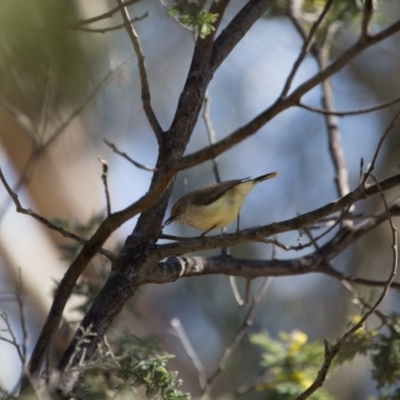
point(389, 128)
point(109, 28)
point(20, 302)
point(13, 341)
point(210, 133)
point(330, 271)
point(308, 39)
point(248, 321)
point(107, 14)
point(46, 222)
point(124, 155)
point(181, 335)
point(351, 112)
point(104, 178)
point(146, 99)
point(332, 124)
point(235, 290)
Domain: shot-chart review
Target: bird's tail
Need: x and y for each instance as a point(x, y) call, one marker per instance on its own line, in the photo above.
point(265, 177)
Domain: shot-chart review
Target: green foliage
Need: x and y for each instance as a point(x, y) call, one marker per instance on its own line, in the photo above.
point(122, 376)
point(291, 364)
point(144, 366)
point(193, 15)
point(383, 348)
point(386, 359)
point(358, 343)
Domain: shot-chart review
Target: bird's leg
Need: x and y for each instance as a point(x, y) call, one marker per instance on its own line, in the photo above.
point(238, 222)
point(208, 230)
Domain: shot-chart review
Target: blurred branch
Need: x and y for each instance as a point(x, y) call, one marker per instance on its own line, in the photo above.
point(18, 297)
point(40, 149)
point(308, 38)
point(389, 129)
point(248, 321)
point(321, 55)
point(331, 121)
point(73, 27)
point(126, 24)
point(146, 99)
point(210, 133)
point(104, 178)
point(20, 118)
point(107, 14)
point(351, 112)
point(366, 17)
point(46, 222)
point(181, 335)
point(124, 155)
point(331, 352)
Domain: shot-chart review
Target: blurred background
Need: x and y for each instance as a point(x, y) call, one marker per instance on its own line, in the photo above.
point(63, 91)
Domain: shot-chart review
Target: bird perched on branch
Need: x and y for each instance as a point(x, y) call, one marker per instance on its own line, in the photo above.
point(214, 206)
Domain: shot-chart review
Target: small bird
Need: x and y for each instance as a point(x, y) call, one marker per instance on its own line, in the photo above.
point(214, 206)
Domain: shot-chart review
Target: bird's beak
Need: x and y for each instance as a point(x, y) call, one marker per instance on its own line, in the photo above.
point(168, 221)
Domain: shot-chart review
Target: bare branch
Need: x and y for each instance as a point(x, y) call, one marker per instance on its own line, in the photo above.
point(44, 221)
point(321, 55)
point(107, 14)
point(351, 112)
point(332, 125)
point(104, 177)
point(146, 99)
point(248, 321)
point(13, 341)
point(389, 129)
point(308, 38)
point(210, 133)
point(181, 335)
point(107, 29)
point(122, 154)
point(20, 302)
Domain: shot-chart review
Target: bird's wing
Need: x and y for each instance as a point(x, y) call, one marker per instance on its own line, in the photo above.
point(217, 191)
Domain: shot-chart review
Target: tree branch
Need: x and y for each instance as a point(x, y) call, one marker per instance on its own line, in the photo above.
point(146, 99)
point(351, 112)
point(282, 104)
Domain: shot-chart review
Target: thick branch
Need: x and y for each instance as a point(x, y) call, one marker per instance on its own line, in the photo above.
point(317, 262)
point(236, 29)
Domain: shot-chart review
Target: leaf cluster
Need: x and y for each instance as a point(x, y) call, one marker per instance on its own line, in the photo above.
point(290, 365)
point(193, 15)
